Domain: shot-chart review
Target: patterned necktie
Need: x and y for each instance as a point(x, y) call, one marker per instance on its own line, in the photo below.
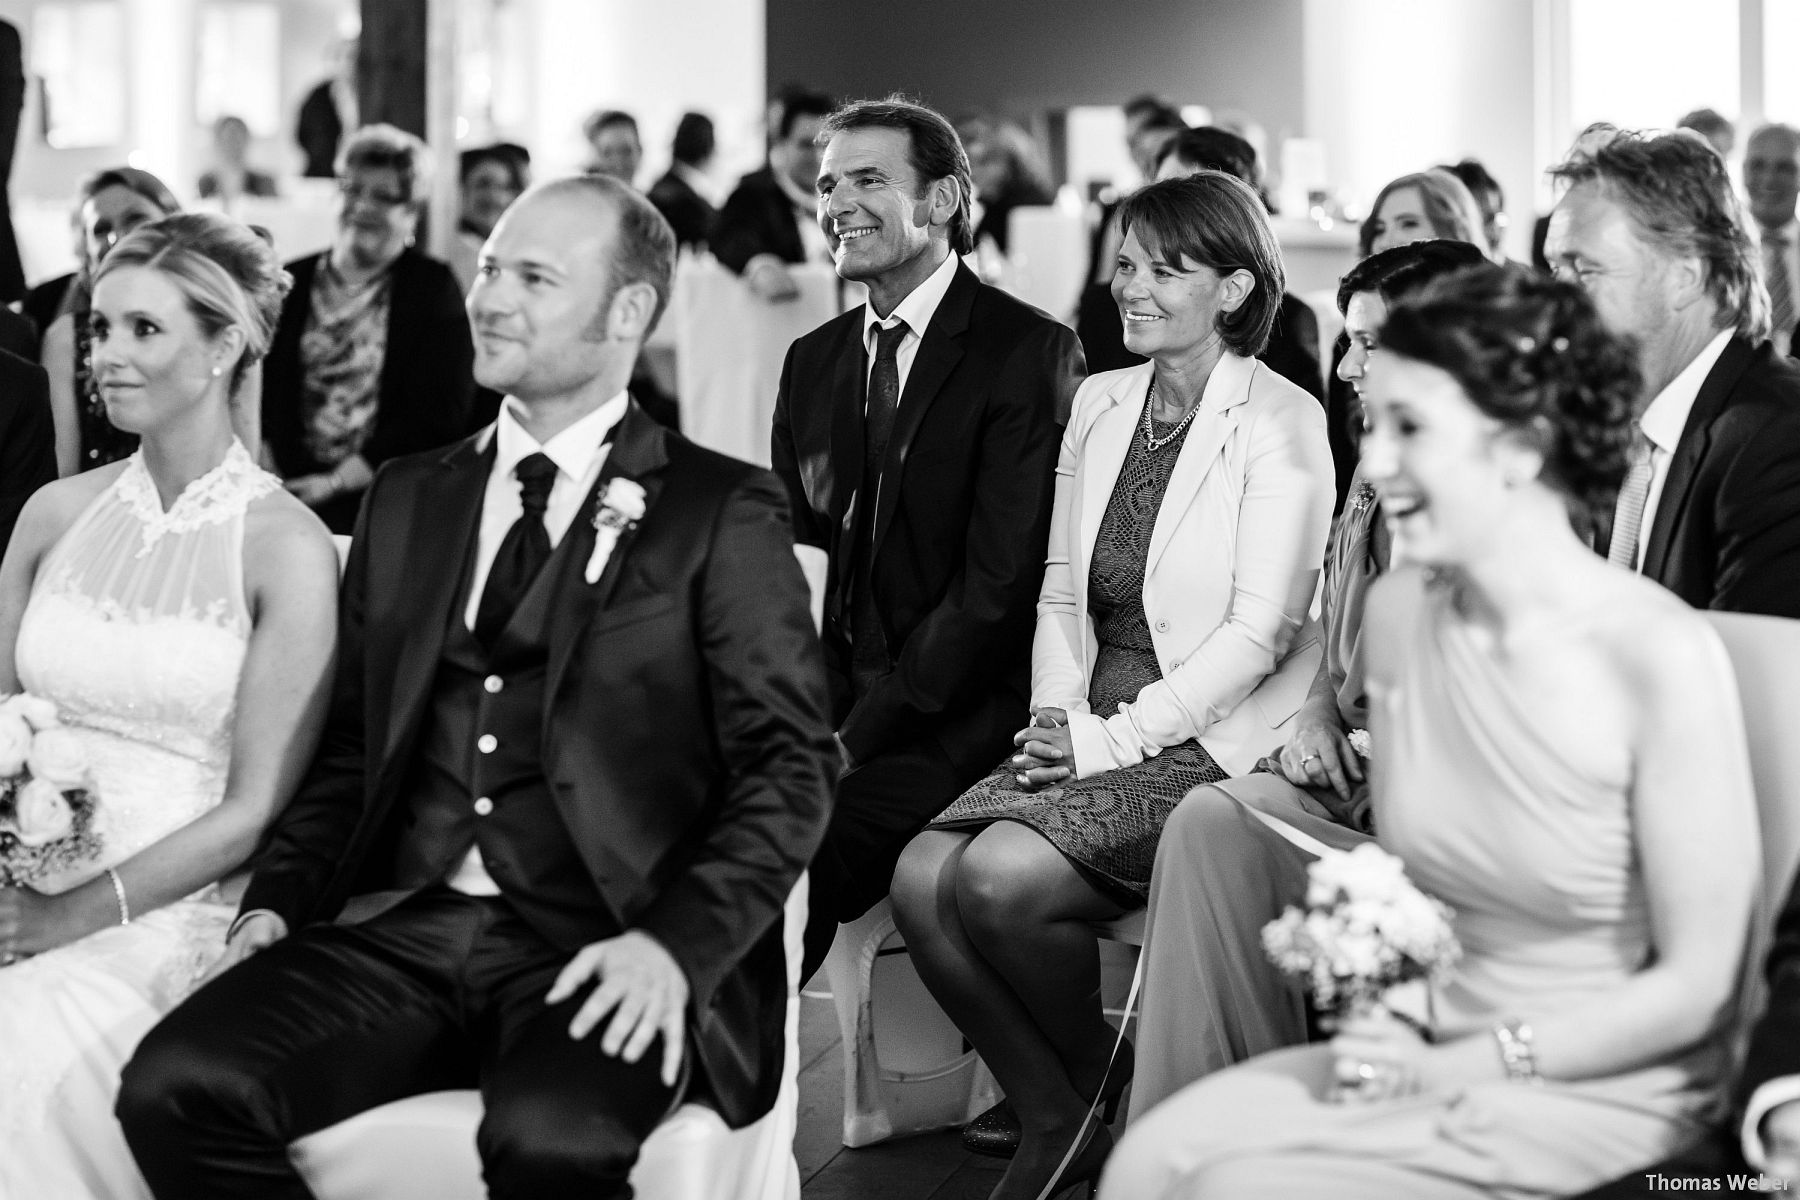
point(1775, 274)
point(884, 401)
point(522, 552)
point(868, 642)
point(1628, 513)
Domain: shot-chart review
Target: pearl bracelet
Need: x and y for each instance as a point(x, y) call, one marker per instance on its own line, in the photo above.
point(119, 895)
point(1517, 1053)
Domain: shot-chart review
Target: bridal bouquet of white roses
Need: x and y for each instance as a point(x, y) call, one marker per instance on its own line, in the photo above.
point(1365, 930)
point(46, 805)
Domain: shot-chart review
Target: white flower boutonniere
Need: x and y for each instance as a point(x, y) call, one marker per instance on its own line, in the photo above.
point(618, 510)
point(1359, 742)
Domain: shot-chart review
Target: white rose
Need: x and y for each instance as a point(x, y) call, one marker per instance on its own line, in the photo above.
point(41, 813)
point(15, 743)
point(36, 711)
point(58, 757)
point(625, 497)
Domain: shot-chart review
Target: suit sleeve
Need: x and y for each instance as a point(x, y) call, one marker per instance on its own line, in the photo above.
point(786, 463)
point(1058, 654)
point(1003, 564)
point(1758, 520)
point(27, 440)
point(307, 842)
point(766, 683)
point(740, 233)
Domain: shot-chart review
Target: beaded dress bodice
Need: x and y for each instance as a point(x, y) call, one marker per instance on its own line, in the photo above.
point(137, 627)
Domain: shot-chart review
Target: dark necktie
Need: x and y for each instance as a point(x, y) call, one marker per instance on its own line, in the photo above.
point(869, 653)
point(522, 552)
point(1781, 287)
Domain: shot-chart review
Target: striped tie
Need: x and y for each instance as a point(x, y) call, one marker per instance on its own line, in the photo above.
point(1781, 286)
point(1628, 513)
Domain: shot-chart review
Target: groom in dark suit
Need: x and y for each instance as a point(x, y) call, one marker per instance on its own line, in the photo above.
point(917, 436)
point(577, 758)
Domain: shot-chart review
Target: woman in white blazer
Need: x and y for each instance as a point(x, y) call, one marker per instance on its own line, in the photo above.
point(1193, 499)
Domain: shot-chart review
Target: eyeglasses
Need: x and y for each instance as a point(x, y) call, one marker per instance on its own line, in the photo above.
point(353, 191)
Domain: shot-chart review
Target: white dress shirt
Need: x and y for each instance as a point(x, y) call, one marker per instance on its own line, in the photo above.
point(1783, 338)
point(1662, 424)
point(917, 309)
point(578, 452)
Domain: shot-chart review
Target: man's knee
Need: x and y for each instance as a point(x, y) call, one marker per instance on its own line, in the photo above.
point(172, 1082)
point(542, 1144)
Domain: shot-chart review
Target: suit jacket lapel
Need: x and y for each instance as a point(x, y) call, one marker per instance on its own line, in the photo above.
point(1696, 436)
point(1226, 388)
point(440, 538)
point(940, 349)
point(1102, 457)
point(639, 452)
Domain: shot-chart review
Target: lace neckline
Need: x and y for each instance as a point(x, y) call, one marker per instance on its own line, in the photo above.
point(220, 495)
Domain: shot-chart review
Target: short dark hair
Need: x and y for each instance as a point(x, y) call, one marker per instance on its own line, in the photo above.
point(1214, 149)
point(644, 251)
point(1532, 353)
point(935, 151)
point(1399, 270)
point(694, 140)
point(606, 118)
point(515, 160)
point(797, 104)
point(1678, 194)
point(1218, 221)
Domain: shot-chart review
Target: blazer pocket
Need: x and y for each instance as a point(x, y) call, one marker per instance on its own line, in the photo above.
point(619, 615)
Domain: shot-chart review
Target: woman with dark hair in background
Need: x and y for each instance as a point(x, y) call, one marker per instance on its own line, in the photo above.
point(489, 178)
point(1192, 505)
point(1490, 198)
point(112, 203)
point(1542, 722)
point(373, 356)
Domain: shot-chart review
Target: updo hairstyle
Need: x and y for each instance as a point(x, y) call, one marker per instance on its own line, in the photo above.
point(229, 275)
point(1530, 352)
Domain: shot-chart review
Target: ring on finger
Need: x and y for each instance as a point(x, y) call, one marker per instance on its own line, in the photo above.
point(1367, 1072)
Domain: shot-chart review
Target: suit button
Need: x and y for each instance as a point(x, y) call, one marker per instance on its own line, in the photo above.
point(1161, 627)
point(487, 743)
point(483, 807)
point(1174, 665)
point(493, 683)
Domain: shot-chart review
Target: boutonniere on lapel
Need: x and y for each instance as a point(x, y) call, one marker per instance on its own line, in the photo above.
point(616, 512)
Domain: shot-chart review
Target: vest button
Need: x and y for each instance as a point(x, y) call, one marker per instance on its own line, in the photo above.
point(483, 807)
point(487, 743)
point(493, 683)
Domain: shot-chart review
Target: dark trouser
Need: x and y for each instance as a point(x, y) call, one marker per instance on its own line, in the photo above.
point(880, 807)
point(1713, 1159)
point(440, 992)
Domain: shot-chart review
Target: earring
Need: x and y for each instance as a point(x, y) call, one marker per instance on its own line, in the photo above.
point(217, 371)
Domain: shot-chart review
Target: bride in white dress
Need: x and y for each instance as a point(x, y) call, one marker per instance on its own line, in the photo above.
point(179, 608)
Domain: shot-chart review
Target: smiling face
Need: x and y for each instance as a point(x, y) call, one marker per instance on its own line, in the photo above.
point(539, 303)
point(1438, 462)
point(1400, 219)
point(486, 191)
point(375, 216)
point(1772, 176)
point(1593, 242)
point(882, 221)
point(1169, 309)
point(152, 360)
point(108, 215)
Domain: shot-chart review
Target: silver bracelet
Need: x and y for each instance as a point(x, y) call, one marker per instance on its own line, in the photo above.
point(119, 895)
point(1517, 1053)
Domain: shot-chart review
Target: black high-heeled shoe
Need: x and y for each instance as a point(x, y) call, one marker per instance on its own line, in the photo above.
point(1085, 1165)
point(995, 1133)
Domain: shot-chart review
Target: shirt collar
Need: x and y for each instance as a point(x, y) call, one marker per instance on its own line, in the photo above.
point(1667, 415)
point(573, 450)
point(919, 306)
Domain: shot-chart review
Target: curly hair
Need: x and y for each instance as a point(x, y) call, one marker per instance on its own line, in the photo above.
point(228, 275)
point(1677, 192)
point(1532, 353)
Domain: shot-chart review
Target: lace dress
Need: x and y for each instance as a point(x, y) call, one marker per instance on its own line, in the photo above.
point(136, 627)
point(1108, 824)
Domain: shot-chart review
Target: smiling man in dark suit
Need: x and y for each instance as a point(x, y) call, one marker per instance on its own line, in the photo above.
point(577, 758)
point(917, 436)
point(1650, 228)
point(767, 224)
point(27, 437)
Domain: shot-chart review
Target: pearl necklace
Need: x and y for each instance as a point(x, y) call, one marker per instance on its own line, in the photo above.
point(1151, 441)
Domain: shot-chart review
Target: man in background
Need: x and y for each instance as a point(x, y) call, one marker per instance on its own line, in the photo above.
point(684, 194)
point(1772, 180)
point(768, 224)
point(614, 146)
